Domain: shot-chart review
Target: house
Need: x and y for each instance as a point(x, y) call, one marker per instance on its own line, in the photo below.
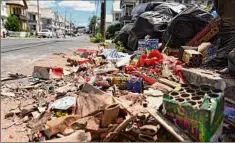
point(48, 19)
point(116, 10)
point(3, 17)
point(3, 13)
point(67, 27)
point(18, 8)
point(108, 20)
point(34, 23)
point(61, 22)
point(127, 6)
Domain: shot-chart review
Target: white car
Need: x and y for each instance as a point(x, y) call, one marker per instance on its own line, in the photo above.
point(45, 33)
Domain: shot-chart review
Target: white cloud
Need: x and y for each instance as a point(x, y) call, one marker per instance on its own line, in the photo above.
point(78, 5)
point(44, 3)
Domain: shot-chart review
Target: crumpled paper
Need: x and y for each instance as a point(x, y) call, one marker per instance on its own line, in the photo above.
point(63, 103)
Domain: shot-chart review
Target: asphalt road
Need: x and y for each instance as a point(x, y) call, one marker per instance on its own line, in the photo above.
point(15, 52)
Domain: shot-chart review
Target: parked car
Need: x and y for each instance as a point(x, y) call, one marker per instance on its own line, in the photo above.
point(45, 33)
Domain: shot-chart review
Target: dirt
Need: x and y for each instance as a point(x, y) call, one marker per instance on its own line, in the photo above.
point(18, 133)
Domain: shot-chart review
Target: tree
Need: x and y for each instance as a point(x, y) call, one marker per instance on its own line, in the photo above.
point(13, 23)
point(92, 24)
point(112, 29)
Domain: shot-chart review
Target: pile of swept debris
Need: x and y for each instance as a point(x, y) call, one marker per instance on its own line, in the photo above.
point(108, 95)
point(111, 96)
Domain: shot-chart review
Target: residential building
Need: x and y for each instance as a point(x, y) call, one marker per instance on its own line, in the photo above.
point(67, 27)
point(48, 19)
point(34, 23)
point(127, 7)
point(18, 8)
point(61, 24)
point(3, 18)
point(116, 10)
point(3, 14)
point(108, 20)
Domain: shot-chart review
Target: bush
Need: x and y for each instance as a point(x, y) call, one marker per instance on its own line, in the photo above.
point(13, 23)
point(112, 29)
point(119, 46)
point(97, 38)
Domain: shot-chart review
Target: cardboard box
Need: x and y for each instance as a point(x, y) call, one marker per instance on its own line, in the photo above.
point(192, 58)
point(199, 123)
point(147, 45)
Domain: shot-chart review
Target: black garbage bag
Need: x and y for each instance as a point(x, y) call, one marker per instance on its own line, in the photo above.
point(226, 38)
point(231, 62)
point(124, 34)
point(152, 23)
point(162, 7)
point(185, 26)
point(149, 23)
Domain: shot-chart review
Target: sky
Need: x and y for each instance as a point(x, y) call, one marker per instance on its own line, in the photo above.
point(79, 10)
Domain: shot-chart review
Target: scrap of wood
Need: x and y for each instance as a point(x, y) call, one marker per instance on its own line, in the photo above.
point(8, 94)
point(13, 77)
point(172, 84)
point(121, 127)
point(164, 88)
point(38, 124)
point(60, 124)
point(165, 125)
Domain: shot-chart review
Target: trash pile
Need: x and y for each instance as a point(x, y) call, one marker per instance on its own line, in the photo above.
point(106, 95)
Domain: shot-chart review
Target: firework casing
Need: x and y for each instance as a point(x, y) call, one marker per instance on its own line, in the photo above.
point(192, 58)
point(210, 30)
point(207, 50)
point(133, 84)
point(182, 48)
point(200, 122)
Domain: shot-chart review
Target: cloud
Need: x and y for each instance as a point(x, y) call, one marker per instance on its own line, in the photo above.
point(44, 3)
point(78, 5)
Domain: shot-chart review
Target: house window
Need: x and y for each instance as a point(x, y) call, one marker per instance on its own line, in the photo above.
point(14, 10)
point(34, 17)
point(48, 21)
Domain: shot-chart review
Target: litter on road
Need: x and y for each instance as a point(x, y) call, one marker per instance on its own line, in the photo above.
point(159, 91)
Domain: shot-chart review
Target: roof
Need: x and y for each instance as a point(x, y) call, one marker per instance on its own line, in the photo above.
point(33, 9)
point(18, 2)
point(109, 18)
point(116, 6)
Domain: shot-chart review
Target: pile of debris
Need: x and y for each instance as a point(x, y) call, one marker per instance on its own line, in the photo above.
point(106, 97)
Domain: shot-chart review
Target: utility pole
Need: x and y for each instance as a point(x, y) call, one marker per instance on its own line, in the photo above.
point(65, 21)
point(102, 18)
point(70, 25)
point(39, 28)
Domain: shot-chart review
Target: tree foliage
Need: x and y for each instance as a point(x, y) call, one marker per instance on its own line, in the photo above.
point(13, 23)
point(92, 23)
point(112, 29)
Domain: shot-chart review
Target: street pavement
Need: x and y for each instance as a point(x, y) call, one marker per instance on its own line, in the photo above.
point(15, 52)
